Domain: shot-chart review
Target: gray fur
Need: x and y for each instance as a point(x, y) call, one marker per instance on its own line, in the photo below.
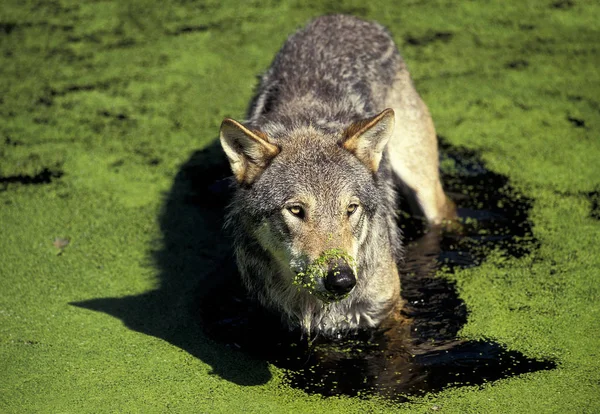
point(336, 72)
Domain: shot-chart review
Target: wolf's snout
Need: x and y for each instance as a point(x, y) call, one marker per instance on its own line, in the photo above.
point(340, 279)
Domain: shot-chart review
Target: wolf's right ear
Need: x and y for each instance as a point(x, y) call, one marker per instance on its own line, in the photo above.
point(249, 152)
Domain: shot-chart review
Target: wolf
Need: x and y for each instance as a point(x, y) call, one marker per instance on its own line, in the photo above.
point(335, 129)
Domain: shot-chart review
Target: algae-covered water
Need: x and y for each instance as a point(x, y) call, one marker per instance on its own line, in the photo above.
point(109, 238)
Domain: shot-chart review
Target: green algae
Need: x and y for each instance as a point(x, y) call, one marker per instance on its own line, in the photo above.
point(116, 95)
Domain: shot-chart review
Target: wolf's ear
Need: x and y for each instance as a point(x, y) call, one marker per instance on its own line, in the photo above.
point(249, 152)
point(366, 139)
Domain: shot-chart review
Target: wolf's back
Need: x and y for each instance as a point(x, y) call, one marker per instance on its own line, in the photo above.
point(338, 67)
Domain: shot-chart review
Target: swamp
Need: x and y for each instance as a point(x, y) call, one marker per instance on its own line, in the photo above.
point(116, 289)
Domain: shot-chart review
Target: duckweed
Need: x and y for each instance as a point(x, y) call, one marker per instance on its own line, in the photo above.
point(318, 269)
point(103, 106)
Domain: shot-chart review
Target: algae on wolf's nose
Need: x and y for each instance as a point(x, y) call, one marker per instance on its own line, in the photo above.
point(318, 269)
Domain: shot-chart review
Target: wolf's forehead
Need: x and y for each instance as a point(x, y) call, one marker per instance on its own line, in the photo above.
point(318, 162)
point(312, 162)
point(321, 171)
point(309, 146)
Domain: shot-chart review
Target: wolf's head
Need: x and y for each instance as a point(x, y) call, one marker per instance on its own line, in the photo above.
point(307, 197)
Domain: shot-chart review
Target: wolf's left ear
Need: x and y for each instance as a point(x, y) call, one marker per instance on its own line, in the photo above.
point(249, 152)
point(367, 138)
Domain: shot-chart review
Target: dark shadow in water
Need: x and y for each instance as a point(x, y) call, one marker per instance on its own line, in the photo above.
point(188, 257)
point(199, 298)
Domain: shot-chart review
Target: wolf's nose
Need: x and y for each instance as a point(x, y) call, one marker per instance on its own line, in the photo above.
point(340, 280)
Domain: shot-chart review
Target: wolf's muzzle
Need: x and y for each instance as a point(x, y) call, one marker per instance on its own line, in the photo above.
point(340, 279)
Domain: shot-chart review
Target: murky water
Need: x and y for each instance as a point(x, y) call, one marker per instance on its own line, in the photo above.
point(422, 354)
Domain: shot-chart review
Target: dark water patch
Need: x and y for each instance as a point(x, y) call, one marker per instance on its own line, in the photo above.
point(562, 4)
point(494, 214)
point(576, 122)
point(48, 95)
point(78, 88)
point(119, 116)
point(46, 176)
point(201, 307)
point(88, 37)
point(517, 64)
point(117, 163)
point(522, 106)
point(594, 198)
point(45, 101)
point(121, 44)
point(526, 27)
point(428, 38)
point(7, 27)
point(147, 155)
point(190, 29)
point(198, 28)
point(74, 88)
point(12, 142)
point(41, 120)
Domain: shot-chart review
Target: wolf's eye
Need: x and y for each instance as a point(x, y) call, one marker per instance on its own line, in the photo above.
point(351, 209)
point(296, 211)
